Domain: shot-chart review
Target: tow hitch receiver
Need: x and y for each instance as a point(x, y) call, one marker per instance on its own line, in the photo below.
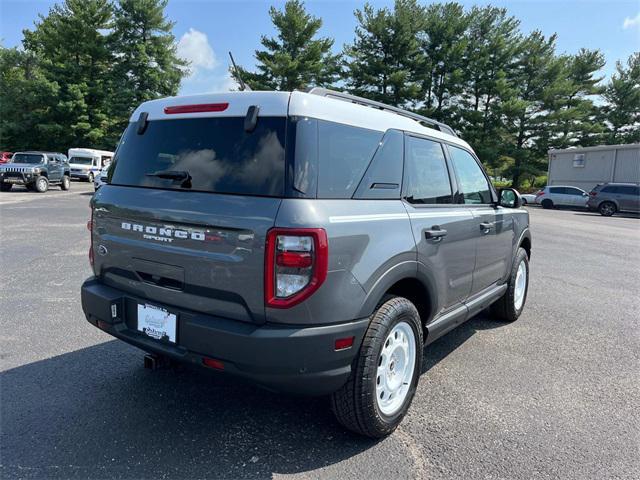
point(156, 362)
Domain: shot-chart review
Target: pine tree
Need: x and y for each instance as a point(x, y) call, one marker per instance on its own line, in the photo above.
point(572, 118)
point(71, 44)
point(27, 99)
point(444, 46)
point(493, 40)
point(295, 59)
point(384, 60)
point(538, 71)
point(147, 64)
point(622, 97)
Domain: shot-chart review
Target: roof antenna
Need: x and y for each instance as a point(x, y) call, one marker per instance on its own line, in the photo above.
point(243, 86)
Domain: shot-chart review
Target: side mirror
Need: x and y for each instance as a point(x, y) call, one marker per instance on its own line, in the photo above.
point(510, 198)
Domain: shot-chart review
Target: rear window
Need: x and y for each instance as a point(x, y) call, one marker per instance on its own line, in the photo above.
point(217, 154)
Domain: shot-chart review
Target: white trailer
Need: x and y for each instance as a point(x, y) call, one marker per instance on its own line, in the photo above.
point(589, 166)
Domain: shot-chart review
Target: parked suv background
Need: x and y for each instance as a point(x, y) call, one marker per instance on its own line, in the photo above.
point(561, 196)
point(610, 198)
point(310, 242)
point(36, 171)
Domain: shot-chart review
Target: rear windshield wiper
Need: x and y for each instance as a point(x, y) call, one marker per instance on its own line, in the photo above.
point(173, 175)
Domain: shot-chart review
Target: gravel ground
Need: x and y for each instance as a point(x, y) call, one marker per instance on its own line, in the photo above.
point(554, 395)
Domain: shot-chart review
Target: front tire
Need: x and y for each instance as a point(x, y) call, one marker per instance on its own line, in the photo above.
point(90, 177)
point(547, 204)
point(511, 304)
point(385, 373)
point(607, 209)
point(66, 182)
point(42, 184)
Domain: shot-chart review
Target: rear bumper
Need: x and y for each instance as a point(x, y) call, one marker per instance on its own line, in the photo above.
point(285, 358)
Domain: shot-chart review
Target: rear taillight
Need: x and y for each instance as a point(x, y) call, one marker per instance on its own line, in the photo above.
point(540, 193)
point(296, 262)
point(593, 194)
point(90, 228)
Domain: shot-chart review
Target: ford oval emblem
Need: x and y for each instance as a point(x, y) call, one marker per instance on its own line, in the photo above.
point(102, 250)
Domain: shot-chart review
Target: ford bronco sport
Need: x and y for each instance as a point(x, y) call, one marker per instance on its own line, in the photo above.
point(310, 242)
point(36, 171)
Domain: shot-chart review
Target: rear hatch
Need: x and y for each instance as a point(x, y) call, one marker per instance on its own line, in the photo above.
point(184, 218)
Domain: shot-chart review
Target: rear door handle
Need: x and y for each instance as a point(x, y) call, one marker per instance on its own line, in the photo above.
point(486, 227)
point(435, 233)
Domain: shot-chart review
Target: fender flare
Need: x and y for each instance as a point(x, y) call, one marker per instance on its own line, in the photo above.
point(400, 271)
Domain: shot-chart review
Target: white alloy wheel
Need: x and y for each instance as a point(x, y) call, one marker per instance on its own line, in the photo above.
point(396, 366)
point(520, 286)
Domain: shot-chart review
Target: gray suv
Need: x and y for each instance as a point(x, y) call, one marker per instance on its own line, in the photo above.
point(310, 242)
point(610, 198)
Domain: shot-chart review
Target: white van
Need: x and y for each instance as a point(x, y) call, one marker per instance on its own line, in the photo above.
point(86, 163)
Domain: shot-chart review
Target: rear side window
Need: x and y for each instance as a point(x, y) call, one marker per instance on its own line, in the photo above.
point(473, 184)
point(630, 190)
point(427, 177)
point(557, 190)
point(344, 153)
point(611, 189)
point(216, 153)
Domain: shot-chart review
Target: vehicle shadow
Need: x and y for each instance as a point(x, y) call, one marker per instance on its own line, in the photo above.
point(616, 215)
point(97, 412)
point(435, 352)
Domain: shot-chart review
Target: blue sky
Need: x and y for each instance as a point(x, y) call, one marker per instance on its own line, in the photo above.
point(207, 29)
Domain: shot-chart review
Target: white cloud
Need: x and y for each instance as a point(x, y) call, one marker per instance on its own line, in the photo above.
point(631, 22)
point(194, 47)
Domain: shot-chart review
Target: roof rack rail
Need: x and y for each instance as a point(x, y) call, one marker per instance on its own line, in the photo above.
point(347, 97)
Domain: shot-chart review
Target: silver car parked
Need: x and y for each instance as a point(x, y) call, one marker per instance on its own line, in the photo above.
point(562, 196)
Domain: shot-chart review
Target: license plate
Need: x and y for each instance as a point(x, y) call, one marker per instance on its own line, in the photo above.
point(157, 323)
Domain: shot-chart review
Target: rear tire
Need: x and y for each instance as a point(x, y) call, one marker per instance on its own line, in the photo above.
point(547, 204)
point(42, 184)
point(66, 182)
point(607, 209)
point(511, 304)
point(389, 363)
point(5, 187)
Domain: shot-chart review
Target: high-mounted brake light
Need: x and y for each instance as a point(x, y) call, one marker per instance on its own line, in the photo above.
point(296, 263)
point(196, 108)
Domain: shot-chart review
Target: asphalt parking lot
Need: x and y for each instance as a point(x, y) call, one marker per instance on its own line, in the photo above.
point(554, 395)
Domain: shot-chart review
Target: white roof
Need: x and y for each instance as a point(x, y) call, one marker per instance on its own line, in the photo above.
point(294, 104)
point(89, 151)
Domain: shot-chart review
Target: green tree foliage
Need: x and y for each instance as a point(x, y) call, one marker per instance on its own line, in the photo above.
point(71, 44)
point(295, 59)
point(147, 65)
point(27, 98)
point(622, 109)
point(384, 61)
point(444, 46)
point(84, 67)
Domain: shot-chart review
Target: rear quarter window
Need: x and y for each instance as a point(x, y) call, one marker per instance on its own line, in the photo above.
point(344, 153)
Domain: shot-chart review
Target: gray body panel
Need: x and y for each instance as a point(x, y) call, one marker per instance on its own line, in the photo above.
point(221, 275)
